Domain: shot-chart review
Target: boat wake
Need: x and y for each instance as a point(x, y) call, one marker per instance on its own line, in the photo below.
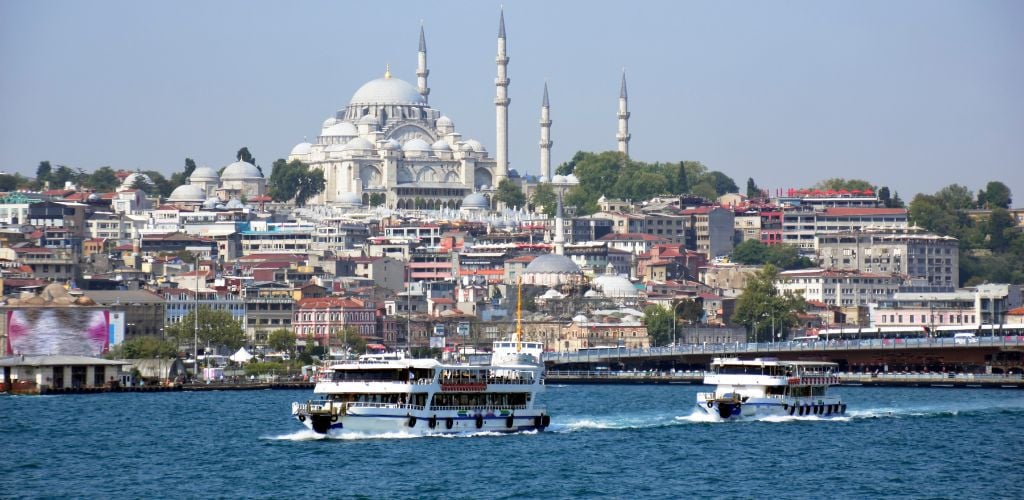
point(612, 423)
point(308, 435)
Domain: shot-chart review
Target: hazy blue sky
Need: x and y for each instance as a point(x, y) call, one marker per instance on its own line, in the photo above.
point(911, 94)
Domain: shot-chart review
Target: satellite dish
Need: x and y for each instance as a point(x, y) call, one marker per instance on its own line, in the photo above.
point(27, 228)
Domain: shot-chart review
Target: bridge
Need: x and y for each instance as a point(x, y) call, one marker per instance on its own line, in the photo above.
point(982, 355)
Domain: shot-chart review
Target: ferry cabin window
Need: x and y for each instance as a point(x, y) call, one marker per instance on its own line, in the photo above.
point(383, 375)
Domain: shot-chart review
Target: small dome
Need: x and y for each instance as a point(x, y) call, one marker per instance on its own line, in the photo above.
point(211, 203)
point(341, 129)
point(203, 173)
point(359, 144)
point(302, 148)
point(387, 91)
point(130, 180)
point(240, 170)
point(475, 201)
point(466, 147)
point(234, 203)
point(187, 192)
point(335, 148)
point(94, 197)
point(328, 123)
point(441, 145)
point(615, 286)
point(391, 144)
point(476, 146)
point(350, 200)
point(444, 121)
point(369, 120)
point(416, 144)
point(553, 264)
point(558, 179)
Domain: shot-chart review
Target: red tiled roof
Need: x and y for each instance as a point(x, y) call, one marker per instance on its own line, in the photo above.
point(329, 303)
point(1017, 311)
point(442, 300)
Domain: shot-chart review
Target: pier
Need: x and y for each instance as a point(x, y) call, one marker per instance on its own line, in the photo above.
point(194, 387)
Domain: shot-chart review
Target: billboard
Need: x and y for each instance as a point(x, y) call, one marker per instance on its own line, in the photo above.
point(71, 331)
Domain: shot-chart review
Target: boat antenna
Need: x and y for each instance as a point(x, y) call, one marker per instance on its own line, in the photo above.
point(519, 314)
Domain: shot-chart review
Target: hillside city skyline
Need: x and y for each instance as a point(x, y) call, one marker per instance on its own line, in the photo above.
point(787, 95)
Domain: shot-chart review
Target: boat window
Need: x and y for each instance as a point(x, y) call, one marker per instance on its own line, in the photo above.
point(775, 390)
point(379, 375)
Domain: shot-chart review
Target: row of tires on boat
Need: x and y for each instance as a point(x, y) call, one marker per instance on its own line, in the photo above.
point(813, 409)
point(539, 421)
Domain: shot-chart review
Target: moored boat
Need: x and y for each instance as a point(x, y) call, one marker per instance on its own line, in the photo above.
point(769, 387)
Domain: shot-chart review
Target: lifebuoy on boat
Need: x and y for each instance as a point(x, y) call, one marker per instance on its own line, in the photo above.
point(711, 404)
point(448, 423)
point(334, 418)
point(302, 418)
point(432, 422)
point(509, 421)
point(545, 420)
point(479, 421)
point(412, 421)
point(792, 409)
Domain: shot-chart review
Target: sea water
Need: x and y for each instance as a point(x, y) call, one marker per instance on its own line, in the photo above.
point(642, 441)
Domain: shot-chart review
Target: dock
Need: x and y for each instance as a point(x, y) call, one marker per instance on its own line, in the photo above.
point(197, 387)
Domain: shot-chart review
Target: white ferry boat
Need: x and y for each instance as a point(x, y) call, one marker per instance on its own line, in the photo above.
point(769, 387)
point(391, 393)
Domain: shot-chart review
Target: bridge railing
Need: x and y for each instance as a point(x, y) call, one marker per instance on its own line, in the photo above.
point(762, 348)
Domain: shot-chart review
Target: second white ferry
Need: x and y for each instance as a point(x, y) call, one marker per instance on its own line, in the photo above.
point(770, 387)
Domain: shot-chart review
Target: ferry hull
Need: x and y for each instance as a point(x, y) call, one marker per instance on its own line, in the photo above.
point(384, 421)
point(753, 409)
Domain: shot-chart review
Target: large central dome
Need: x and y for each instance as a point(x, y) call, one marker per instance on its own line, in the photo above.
point(387, 91)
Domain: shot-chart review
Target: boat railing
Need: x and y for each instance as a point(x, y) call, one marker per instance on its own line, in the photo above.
point(480, 407)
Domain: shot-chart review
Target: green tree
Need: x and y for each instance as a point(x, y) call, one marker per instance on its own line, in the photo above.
point(934, 214)
point(181, 178)
point(659, 324)
point(956, 197)
point(294, 180)
point(723, 183)
point(103, 179)
point(761, 308)
point(750, 252)
point(144, 347)
point(510, 194)
point(8, 183)
point(244, 155)
point(142, 184)
point(282, 340)
point(216, 327)
point(752, 190)
point(161, 185)
point(995, 194)
point(837, 183)
point(682, 181)
point(782, 256)
point(377, 199)
point(544, 196)
point(64, 174)
point(43, 172)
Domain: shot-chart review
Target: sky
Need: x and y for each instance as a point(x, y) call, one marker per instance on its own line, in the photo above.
point(910, 94)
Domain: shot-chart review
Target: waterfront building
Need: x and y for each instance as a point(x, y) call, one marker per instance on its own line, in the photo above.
point(913, 252)
point(800, 227)
point(840, 288)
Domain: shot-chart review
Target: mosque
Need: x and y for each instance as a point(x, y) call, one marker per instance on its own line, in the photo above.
point(389, 142)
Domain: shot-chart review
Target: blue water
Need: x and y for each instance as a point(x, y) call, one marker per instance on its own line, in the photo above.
point(605, 442)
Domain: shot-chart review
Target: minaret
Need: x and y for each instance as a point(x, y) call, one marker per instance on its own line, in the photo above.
point(501, 102)
point(545, 138)
point(421, 68)
point(559, 228)
point(623, 135)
